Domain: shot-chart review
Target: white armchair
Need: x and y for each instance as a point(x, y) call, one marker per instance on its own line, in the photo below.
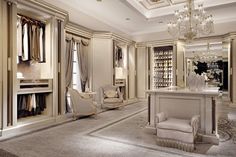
point(176, 133)
point(111, 97)
point(81, 106)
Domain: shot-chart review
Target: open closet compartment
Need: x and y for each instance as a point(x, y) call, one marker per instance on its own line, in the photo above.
point(34, 30)
point(34, 65)
point(120, 63)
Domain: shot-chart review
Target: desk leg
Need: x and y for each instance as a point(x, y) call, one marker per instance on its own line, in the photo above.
point(152, 110)
point(209, 115)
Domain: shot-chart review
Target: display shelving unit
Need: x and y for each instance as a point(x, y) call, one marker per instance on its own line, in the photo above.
point(162, 66)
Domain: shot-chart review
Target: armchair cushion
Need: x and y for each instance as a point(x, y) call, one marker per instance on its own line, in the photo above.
point(85, 96)
point(111, 94)
point(113, 100)
point(176, 124)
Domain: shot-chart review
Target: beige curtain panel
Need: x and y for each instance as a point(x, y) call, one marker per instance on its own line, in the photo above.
point(82, 51)
point(69, 61)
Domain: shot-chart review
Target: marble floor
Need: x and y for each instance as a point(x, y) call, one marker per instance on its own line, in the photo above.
point(116, 133)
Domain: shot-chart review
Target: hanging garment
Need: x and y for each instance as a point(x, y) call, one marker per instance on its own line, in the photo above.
point(33, 102)
point(19, 37)
point(120, 55)
point(29, 103)
point(24, 103)
point(35, 53)
point(41, 45)
point(25, 52)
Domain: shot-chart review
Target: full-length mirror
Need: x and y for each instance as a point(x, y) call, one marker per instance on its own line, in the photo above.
point(209, 59)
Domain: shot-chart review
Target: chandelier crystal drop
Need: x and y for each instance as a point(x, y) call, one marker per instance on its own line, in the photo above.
point(191, 23)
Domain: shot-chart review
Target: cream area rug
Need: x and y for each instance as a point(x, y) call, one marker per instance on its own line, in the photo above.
point(132, 131)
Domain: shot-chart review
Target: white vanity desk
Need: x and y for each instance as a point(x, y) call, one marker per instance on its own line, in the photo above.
point(183, 103)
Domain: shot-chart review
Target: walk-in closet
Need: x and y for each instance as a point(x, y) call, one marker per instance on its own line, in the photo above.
point(33, 33)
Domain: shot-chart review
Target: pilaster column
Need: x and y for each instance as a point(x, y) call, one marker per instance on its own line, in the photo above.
point(233, 71)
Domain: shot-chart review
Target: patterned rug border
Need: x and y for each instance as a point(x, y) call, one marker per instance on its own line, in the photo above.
point(116, 121)
point(227, 129)
point(4, 153)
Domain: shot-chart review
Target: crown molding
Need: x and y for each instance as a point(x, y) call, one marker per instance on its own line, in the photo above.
point(109, 35)
point(78, 30)
point(46, 7)
point(156, 43)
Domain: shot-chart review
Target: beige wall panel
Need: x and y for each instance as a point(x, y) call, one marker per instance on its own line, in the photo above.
point(1, 51)
point(131, 72)
point(102, 64)
point(233, 83)
point(141, 72)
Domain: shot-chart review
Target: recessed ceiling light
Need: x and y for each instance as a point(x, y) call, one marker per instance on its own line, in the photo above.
point(127, 19)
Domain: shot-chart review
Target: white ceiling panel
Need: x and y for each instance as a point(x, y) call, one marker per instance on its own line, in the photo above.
point(132, 18)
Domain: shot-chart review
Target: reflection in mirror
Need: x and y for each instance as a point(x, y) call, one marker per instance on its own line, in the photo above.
point(208, 59)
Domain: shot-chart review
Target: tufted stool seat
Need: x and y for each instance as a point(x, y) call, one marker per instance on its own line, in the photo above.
point(176, 133)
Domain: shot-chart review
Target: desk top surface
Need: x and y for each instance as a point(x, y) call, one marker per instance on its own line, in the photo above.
point(178, 90)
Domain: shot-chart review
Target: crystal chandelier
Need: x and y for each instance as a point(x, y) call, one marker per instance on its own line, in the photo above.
point(191, 23)
point(207, 57)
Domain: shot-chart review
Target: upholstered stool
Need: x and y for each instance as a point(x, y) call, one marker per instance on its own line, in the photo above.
point(176, 133)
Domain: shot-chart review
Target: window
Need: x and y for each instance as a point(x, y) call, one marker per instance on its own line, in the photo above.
point(76, 82)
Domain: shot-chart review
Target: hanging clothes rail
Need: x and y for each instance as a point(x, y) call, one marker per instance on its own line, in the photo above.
point(30, 40)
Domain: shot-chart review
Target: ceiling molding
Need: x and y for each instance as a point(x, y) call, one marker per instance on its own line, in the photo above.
point(46, 7)
point(78, 30)
point(156, 43)
point(109, 35)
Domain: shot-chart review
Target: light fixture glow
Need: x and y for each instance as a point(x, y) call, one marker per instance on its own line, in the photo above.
point(191, 23)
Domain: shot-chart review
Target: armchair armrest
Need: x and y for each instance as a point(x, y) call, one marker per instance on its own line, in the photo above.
point(160, 117)
point(195, 123)
point(101, 95)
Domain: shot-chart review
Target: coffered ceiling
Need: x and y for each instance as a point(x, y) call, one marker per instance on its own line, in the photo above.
point(154, 4)
point(142, 19)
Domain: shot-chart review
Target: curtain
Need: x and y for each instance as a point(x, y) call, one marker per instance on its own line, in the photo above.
point(82, 51)
point(69, 67)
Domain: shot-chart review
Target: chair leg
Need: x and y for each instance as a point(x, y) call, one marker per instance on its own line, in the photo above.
point(74, 117)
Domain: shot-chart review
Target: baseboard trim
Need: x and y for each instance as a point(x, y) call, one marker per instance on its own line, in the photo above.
point(232, 105)
point(23, 129)
point(143, 99)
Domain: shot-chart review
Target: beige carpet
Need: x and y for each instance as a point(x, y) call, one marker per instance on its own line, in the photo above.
point(116, 133)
